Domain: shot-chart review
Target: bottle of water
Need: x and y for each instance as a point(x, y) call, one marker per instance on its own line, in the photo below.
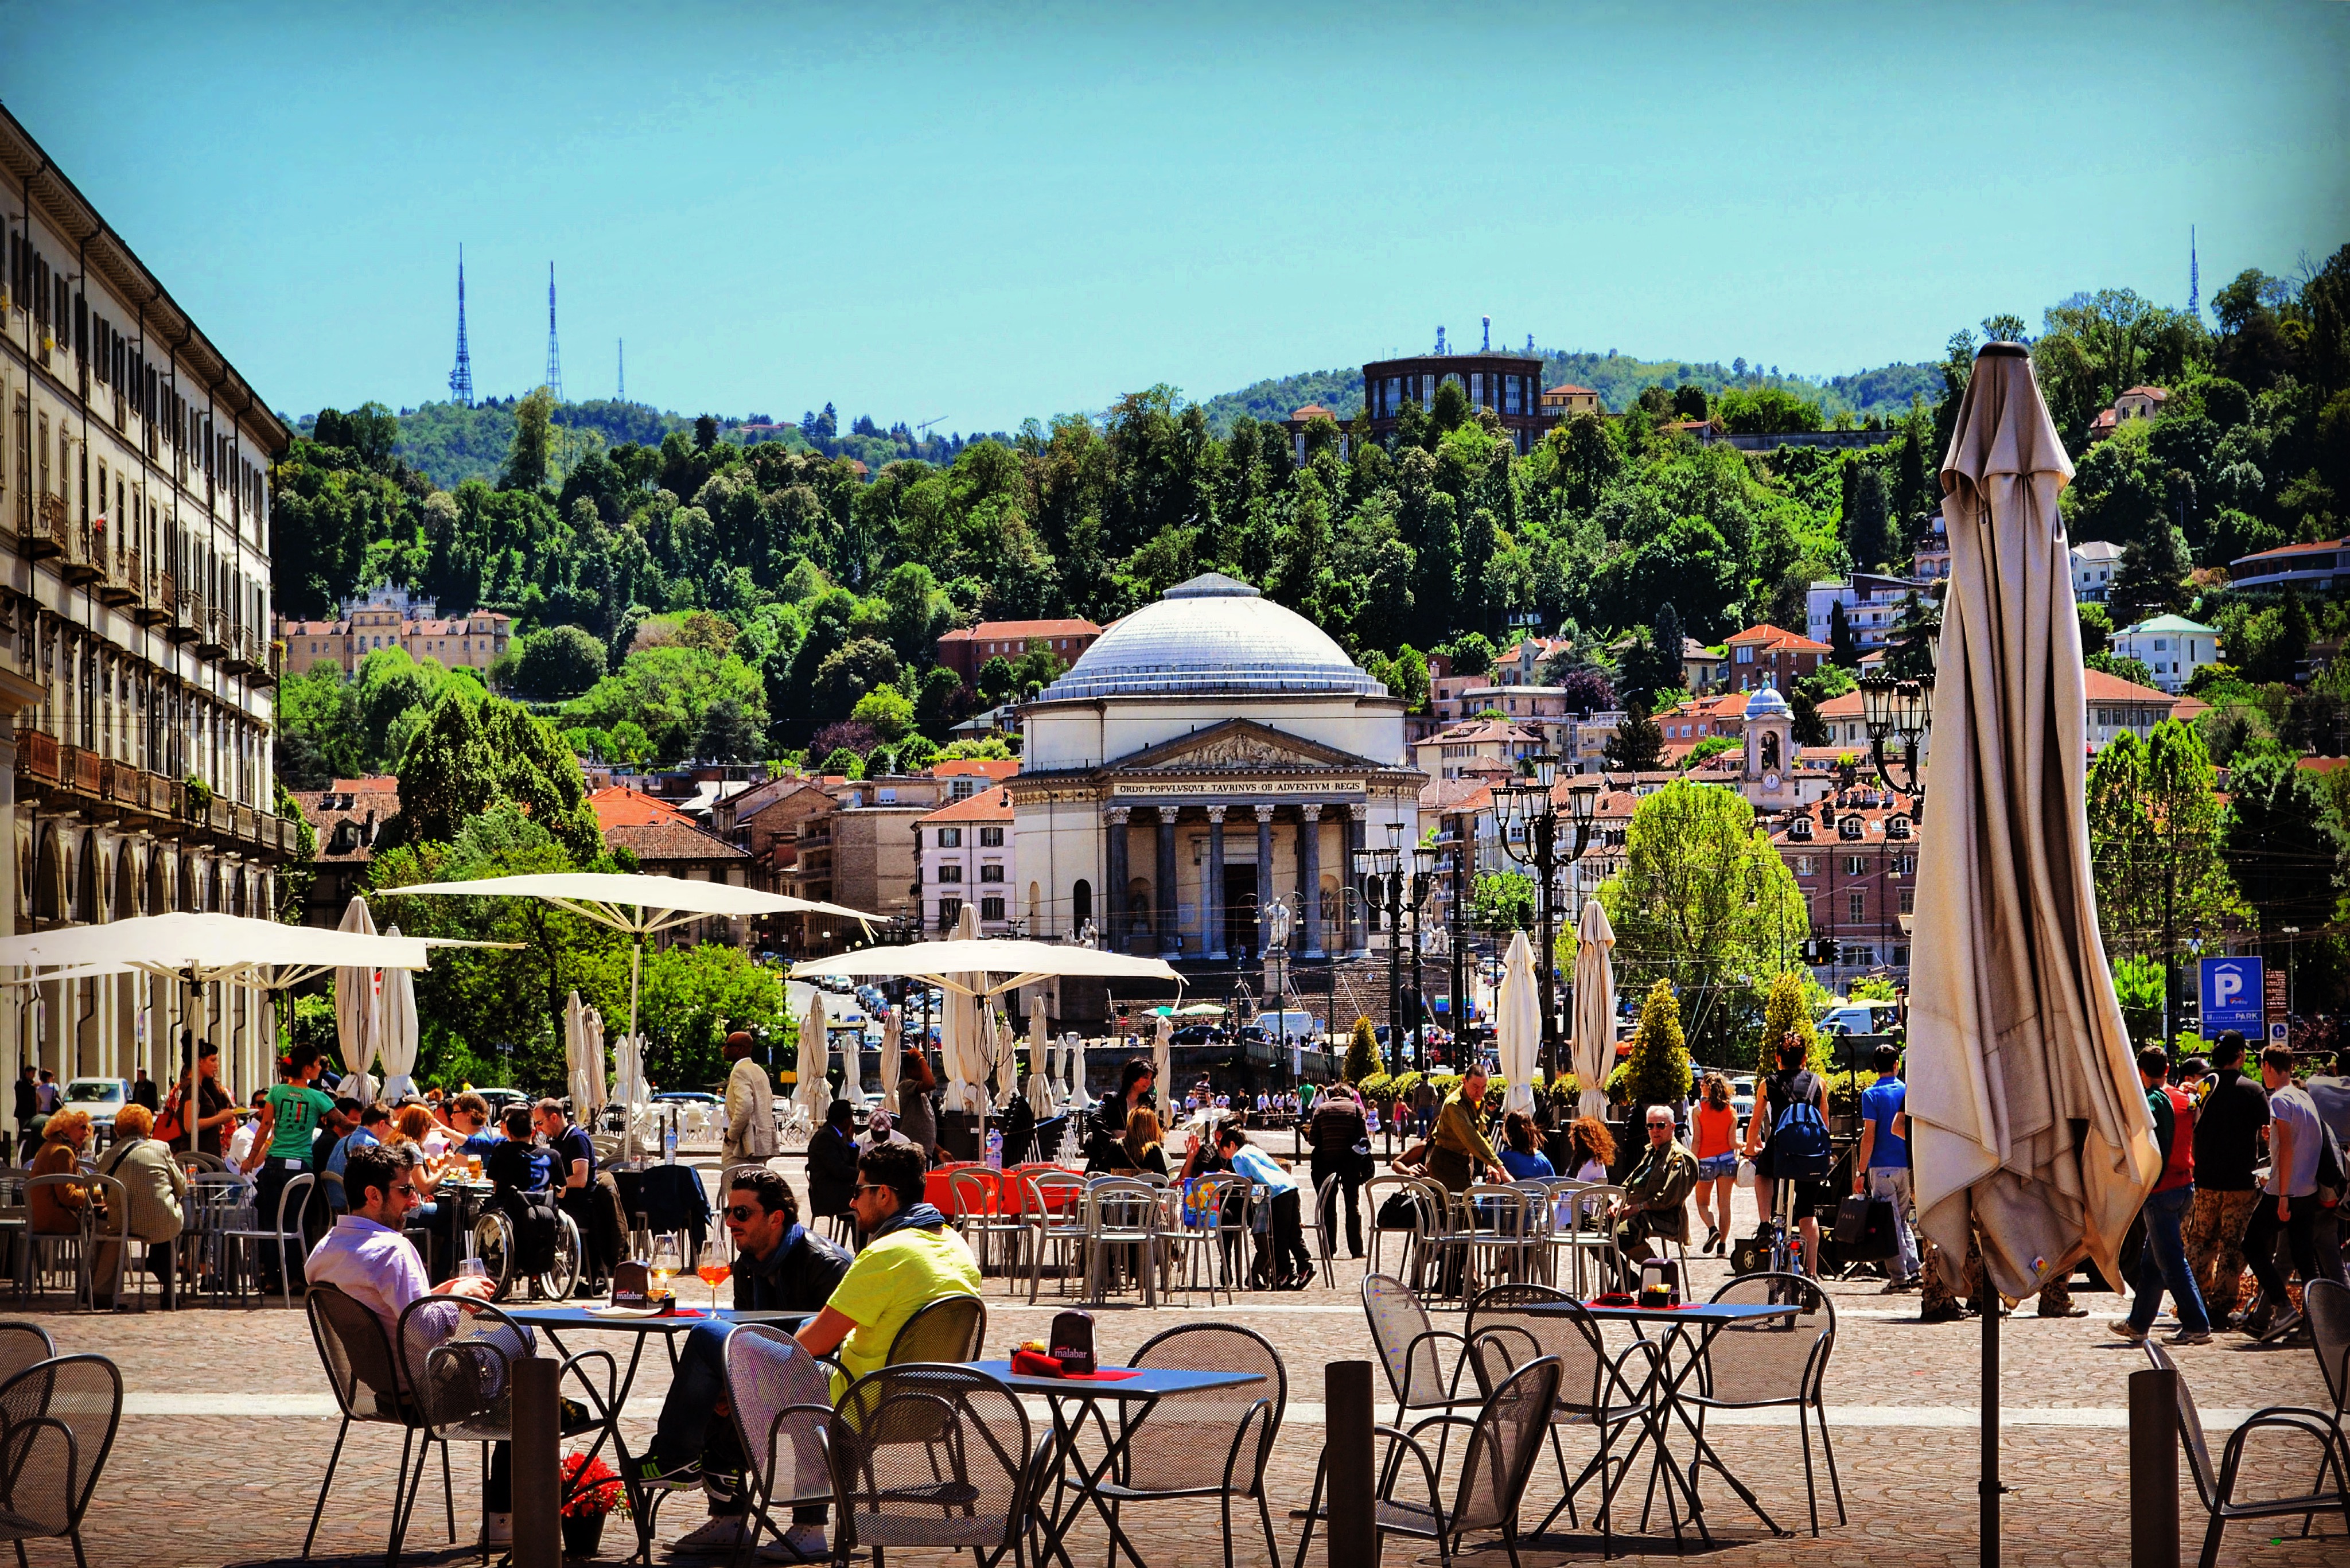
point(669, 1142)
point(994, 1148)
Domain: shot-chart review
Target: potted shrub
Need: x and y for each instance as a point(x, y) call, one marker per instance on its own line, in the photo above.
point(600, 1495)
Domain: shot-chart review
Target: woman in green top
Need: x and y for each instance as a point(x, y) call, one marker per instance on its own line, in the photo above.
point(290, 1113)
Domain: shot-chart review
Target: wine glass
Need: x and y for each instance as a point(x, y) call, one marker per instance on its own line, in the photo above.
point(668, 1260)
point(715, 1263)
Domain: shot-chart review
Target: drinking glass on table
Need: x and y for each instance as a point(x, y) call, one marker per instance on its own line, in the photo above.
point(715, 1263)
point(668, 1260)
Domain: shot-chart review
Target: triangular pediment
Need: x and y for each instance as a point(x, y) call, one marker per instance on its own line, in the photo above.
point(1239, 746)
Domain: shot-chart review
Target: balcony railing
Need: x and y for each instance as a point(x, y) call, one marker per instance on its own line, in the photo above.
point(36, 756)
point(153, 606)
point(124, 785)
point(78, 771)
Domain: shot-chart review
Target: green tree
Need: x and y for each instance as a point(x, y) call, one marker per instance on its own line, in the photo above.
point(1502, 901)
point(2280, 845)
point(1703, 900)
point(475, 752)
point(2154, 846)
point(885, 708)
point(1638, 746)
point(2153, 577)
point(1658, 1072)
point(692, 996)
point(559, 662)
point(526, 460)
point(1868, 527)
point(1363, 1053)
point(1787, 1013)
point(729, 733)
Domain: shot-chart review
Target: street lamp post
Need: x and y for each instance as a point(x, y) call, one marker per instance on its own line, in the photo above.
point(1902, 710)
point(1377, 865)
point(1423, 866)
point(1529, 804)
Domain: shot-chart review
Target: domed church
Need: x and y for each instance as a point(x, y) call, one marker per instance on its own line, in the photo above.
point(1210, 752)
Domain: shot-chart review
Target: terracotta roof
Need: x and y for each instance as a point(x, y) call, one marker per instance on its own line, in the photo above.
point(987, 805)
point(2104, 688)
point(1473, 730)
point(997, 630)
point(1767, 636)
point(1446, 796)
point(369, 808)
point(1311, 411)
point(2286, 552)
point(2104, 421)
point(2322, 764)
point(617, 807)
point(659, 841)
point(388, 783)
point(996, 768)
point(1569, 389)
point(2160, 394)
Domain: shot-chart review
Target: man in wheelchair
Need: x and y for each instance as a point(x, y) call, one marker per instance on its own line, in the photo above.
point(522, 1180)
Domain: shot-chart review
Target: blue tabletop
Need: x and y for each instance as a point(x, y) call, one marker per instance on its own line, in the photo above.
point(1700, 1311)
point(580, 1317)
point(1148, 1382)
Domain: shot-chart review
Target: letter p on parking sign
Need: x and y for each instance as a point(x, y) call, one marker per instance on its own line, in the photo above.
point(2232, 993)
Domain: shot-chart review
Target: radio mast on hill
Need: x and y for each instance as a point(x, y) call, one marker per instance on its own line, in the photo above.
point(554, 354)
point(461, 379)
point(2194, 281)
point(622, 395)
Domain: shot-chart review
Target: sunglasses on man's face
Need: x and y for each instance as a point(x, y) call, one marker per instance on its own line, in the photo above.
point(743, 1213)
point(865, 1187)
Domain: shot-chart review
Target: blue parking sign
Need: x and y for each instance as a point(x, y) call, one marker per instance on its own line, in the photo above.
point(2233, 996)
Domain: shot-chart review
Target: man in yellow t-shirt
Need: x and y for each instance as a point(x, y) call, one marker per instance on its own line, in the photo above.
point(911, 1257)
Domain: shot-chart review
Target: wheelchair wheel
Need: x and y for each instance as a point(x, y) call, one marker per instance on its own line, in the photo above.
point(493, 1243)
point(557, 1284)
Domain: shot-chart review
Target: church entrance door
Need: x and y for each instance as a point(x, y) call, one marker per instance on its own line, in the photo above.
point(1240, 909)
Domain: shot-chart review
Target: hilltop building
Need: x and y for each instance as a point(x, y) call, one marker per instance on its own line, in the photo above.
point(1508, 384)
point(390, 617)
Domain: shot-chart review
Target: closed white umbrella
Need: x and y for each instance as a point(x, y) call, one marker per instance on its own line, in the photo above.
point(851, 1045)
point(1040, 1077)
point(358, 1010)
point(586, 1073)
point(961, 1050)
point(629, 1086)
point(1517, 1024)
point(1163, 1058)
point(399, 1043)
point(1003, 1057)
point(2027, 1125)
point(811, 1092)
point(892, 1058)
point(1073, 1066)
point(1595, 1008)
point(591, 1050)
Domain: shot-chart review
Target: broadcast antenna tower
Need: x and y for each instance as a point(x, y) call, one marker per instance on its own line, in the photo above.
point(554, 356)
point(621, 396)
point(2194, 281)
point(461, 379)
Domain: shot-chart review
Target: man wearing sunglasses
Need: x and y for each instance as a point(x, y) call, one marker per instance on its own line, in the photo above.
point(779, 1265)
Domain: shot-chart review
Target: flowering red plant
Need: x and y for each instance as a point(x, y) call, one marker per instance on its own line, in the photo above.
point(601, 1492)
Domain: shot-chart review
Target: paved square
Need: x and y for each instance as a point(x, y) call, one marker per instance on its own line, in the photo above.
point(228, 1425)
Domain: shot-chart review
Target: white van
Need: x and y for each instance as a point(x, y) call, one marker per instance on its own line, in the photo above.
point(1857, 1018)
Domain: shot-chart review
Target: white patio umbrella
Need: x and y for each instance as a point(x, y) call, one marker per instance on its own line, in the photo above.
point(583, 1071)
point(1003, 1056)
point(398, 1043)
point(1163, 1058)
point(1073, 1070)
point(2027, 1123)
point(639, 906)
point(1039, 1086)
point(1517, 1024)
point(591, 1056)
point(961, 1050)
point(892, 1059)
point(629, 1086)
point(811, 1092)
point(851, 1045)
point(198, 950)
point(359, 1011)
point(1595, 1008)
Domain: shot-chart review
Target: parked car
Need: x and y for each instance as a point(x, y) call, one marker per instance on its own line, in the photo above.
point(1199, 1035)
point(101, 1097)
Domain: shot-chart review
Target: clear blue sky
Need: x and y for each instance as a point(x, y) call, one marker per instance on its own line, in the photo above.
point(987, 212)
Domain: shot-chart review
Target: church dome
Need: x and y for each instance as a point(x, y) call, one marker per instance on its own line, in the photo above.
point(1768, 705)
point(1214, 635)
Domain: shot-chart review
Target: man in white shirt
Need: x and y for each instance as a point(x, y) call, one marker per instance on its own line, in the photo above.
point(366, 1257)
point(2288, 1202)
point(750, 1107)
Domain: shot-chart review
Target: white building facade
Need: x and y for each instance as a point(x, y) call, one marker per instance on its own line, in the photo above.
point(137, 671)
point(2171, 646)
point(966, 855)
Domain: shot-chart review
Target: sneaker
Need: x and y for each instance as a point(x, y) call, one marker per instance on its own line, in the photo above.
point(801, 1543)
point(2124, 1329)
point(2188, 1336)
point(678, 1477)
point(2287, 1323)
point(497, 1530)
point(719, 1532)
point(1895, 1287)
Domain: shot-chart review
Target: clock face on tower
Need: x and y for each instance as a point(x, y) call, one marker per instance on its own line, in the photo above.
point(1771, 784)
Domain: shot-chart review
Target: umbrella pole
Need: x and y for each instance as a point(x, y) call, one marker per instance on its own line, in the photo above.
point(1989, 1487)
point(636, 958)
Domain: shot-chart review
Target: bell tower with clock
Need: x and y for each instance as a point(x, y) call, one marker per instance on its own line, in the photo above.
point(1768, 778)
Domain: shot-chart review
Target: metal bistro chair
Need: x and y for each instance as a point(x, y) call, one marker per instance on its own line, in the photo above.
point(57, 1422)
point(1053, 1206)
point(1590, 1234)
point(2217, 1491)
point(1504, 1235)
point(1121, 1212)
point(1596, 1389)
point(1205, 1220)
point(2327, 1307)
point(1498, 1450)
point(1413, 1351)
point(1774, 1363)
point(948, 1328)
point(976, 1204)
point(1212, 1443)
point(218, 1201)
point(357, 1356)
point(931, 1456)
point(46, 1250)
point(285, 1232)
point(21, 1346)
point(781, 1400)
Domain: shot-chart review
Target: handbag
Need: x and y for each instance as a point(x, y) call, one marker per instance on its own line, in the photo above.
point(167, 1125)
point(1864, 1228)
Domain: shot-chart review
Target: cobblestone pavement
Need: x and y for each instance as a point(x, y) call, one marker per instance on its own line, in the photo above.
point(228, 1425)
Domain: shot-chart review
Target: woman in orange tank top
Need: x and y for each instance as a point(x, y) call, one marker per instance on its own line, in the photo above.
point(1716, 1126)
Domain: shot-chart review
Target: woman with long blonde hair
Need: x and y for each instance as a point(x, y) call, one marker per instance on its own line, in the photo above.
point(1143, 1142)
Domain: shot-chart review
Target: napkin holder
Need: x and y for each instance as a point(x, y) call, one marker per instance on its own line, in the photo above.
point(632, 1286)
point(1661, 1282)
point(1073, 1341)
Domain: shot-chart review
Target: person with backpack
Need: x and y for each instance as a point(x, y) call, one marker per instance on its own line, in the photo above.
point(1787, 1139)
point(2162, 1260)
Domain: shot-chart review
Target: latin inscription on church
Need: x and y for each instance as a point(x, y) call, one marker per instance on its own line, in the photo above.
point(1235, 788)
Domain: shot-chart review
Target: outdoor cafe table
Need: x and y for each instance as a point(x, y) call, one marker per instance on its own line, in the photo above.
point(1694, 1327)
point(556, 1321)
point(1141, 1385)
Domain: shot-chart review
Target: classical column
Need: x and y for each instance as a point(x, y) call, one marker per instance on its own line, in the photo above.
point(1263, 870)
point(1113, 906)
point(1309, 875)
point(1164, 892)
point(1359, 934)
point(1213, 900)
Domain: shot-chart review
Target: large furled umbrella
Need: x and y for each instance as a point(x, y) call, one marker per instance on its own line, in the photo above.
point(591, 1035)
point(961, 1050)
point(811, 1092)
point(358, 1022)
point(583, 1058)
point(1595, 1008)
point(1003, 1056)
point(1073, 1069)
point(851, 1045)
point(398, 1040)
point(2027, 1125)
point(892, 1058)
point(1039, 1087)
point(1162, 1059)
point(1517, 1026)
